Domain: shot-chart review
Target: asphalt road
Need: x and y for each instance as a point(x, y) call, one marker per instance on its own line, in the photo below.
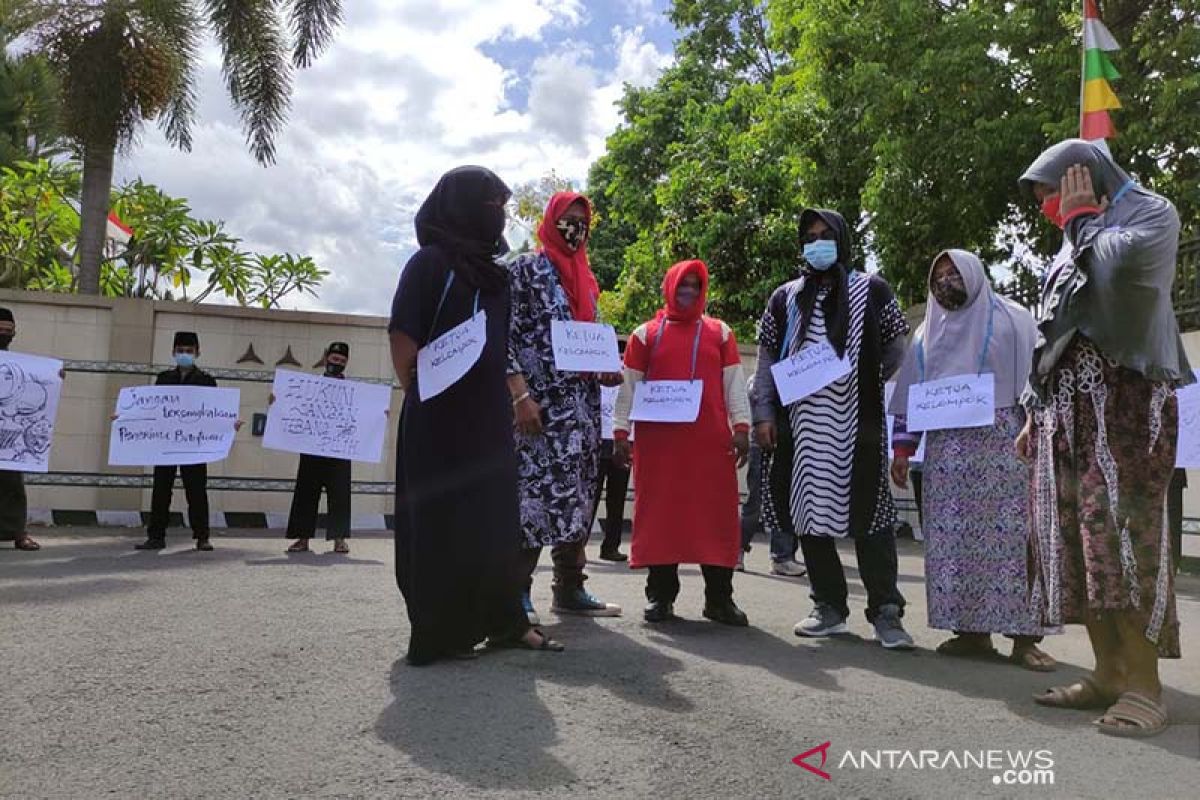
point(247, 673)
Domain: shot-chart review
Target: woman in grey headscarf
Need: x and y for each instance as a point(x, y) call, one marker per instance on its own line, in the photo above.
point(1102, 431)
point(976, 530)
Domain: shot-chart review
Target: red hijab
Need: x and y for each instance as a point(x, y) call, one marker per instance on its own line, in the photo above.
point(671, 281)
point(574, 271)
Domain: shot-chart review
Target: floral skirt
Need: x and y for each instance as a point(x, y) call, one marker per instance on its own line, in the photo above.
point(1104, 455)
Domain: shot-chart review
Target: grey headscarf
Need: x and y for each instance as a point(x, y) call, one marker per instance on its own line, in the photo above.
point(1113, 284)
point(952, 342)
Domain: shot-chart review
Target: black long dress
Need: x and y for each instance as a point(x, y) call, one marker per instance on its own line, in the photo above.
point(457, 513)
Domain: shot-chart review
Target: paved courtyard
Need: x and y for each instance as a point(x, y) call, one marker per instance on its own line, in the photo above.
point(247, 673)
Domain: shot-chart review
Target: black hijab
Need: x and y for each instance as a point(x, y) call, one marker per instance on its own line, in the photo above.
point(836, 304)
point(464, 215)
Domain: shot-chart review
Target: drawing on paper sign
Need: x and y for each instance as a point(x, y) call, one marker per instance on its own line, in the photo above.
point(324, 416)
point(29, 393)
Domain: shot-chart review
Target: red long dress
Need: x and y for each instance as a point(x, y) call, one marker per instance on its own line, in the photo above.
point(685, 474)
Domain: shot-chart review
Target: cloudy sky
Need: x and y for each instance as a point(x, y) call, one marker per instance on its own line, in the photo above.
point(410, 89)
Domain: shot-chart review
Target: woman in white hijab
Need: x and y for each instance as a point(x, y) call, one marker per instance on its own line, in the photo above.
point(976, 523)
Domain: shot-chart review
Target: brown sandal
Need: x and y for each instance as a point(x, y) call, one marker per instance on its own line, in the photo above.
point(1133, 716)
point(967, 647)
point(1034, 659)
point(1084, 695)
point(27, 544)
point(300, 546)
point(341, 547)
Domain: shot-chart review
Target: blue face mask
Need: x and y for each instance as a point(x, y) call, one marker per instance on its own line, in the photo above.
point(185, 360)
point(821, 254)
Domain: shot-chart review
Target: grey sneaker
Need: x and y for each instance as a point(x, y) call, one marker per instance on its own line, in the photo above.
point(888, 630)
point(823, 620)
point(788, 568)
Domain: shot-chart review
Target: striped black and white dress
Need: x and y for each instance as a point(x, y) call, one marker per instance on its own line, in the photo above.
point(829, 476)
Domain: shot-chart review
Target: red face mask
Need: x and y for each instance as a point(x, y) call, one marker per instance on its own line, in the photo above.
point(1050, 208)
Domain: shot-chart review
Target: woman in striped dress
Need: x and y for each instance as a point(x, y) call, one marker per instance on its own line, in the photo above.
point(829, 463)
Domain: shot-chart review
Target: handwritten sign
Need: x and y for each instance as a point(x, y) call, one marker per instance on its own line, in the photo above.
point(30, 388)
point(808, 371)
point(608, 409)
point(443, 362)
point(172, 425)
point(331, 417)
point(584, 347)
point(960, 401)
point(1187, 455)
point(666, 401)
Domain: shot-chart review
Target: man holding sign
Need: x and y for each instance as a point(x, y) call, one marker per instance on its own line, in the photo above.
point(556, 350)
point(827, 342)
point(12, 483)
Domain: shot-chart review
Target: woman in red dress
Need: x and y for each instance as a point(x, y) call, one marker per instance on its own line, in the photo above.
point(685, 473)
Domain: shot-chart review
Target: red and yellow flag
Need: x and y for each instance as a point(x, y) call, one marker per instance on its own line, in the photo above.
point(1097, 97)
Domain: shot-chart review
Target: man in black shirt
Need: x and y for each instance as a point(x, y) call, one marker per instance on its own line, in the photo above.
point(12, 484)
point(195, 476)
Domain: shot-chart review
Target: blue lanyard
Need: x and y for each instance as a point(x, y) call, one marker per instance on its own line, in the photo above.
point(445, 291)
point(658, 338)
point(983, 356)
point(1124, 190)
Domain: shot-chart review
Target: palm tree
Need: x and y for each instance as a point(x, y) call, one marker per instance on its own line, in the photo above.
point(29, 103)
point(125, 62)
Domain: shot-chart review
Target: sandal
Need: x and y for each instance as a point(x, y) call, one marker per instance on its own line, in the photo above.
point(967, 647)
point(1133, 716)
point(341, 547)
point(1034, 659)
point(27, 544)
point(301, 546)
point(519, 643)
point(1084, 695)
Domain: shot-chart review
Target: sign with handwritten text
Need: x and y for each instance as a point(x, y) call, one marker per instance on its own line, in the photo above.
point(172, 425)
point(321, 416)
point(30, 387)
point(443, 362)
point(666, 401)
point(1187, 455)
point(808, 372)
point(584, 347)
point(960, 401)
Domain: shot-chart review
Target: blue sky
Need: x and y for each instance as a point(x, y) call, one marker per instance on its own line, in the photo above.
point(409, 89)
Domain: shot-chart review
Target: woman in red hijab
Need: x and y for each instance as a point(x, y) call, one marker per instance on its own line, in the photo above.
point(686, 506)
point(557, 413)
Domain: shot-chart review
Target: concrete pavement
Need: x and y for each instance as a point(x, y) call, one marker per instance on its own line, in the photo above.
point(248, 673)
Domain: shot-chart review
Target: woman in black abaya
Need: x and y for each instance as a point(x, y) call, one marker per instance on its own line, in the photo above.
point(457, 518)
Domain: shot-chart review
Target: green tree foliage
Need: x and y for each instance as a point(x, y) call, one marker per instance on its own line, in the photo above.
point(29, 103)
point(913, 118)
point(171, 255)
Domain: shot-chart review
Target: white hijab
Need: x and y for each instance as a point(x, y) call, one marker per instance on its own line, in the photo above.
point(952, 342)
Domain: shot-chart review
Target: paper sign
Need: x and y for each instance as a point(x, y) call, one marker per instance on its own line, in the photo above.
point(808, 371)
point(584, 347)
point(608, 408)
point(442, 362)
point(323, 416)
point(1187, 454)
point(172, 425)
point(30, 388)
point(961, 401)
point(666, 401)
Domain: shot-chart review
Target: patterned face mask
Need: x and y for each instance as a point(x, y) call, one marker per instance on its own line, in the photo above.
point(950, 294)
point(574, 231)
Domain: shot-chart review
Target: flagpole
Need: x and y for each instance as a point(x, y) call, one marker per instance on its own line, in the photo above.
point(1082, 61)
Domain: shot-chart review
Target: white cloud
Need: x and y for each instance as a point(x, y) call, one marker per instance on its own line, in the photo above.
point(405, 93)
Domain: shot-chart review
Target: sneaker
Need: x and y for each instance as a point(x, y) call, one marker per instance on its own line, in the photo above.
point(583, 603)
point(788, 568)
point(657, 611)
point(612, 555)
point(151, 544)
point(726, 613)
point(741, 565)
point(204, 545)
point(823, 620)
point(531, 614)
point(888, 630)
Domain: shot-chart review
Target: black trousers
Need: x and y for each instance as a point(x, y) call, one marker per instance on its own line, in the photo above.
point(317, 473)
point(13, 506)
point(662, 584)
point(617, 480)
point(1179, 482)
point(569, 561)
point(195, 486)
point(876, 565)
